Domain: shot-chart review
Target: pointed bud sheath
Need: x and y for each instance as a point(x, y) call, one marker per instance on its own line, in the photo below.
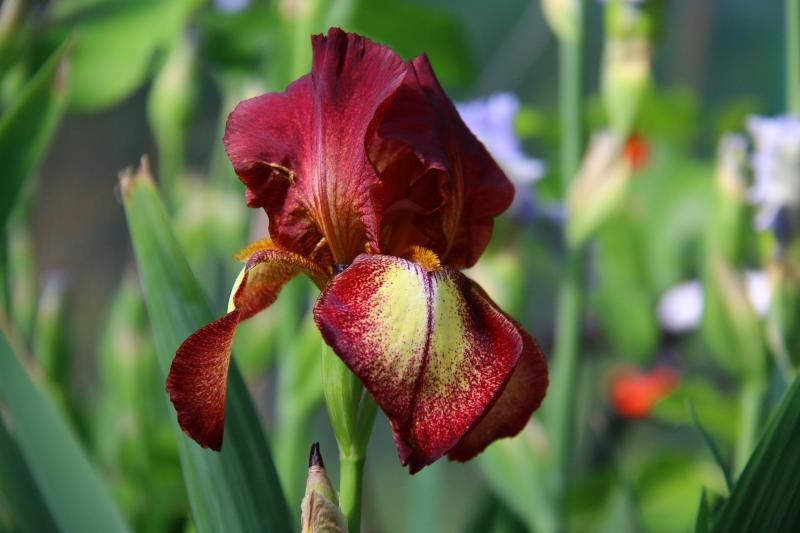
point(320, 508)
point(563, 16)
point(724, 233)
point(599, 188)
point(626, 64)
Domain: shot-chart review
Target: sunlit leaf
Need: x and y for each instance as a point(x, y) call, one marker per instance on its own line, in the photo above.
point(116, 44)
point(237, 489)
point(77, 498)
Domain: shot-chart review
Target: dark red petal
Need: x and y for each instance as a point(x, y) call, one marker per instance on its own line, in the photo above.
point(441, 187)
point(512, 409)
point(429, 346)
point(301, 153)
point(198, 377)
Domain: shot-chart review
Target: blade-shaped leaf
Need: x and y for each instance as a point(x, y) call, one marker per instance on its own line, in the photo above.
point(238, 488)
point(712, 446)
point(76, 496)
point(18, 488)
point(27, 126)
point(765, 496)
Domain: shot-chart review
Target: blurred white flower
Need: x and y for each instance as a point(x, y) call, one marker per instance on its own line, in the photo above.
point(491, 119)
point(776, 166)
point(680, 308)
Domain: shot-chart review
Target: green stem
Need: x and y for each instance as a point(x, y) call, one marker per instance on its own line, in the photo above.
point(793, 56)
point(351, 411)
point(561, 401)
point(569, 63)
point(749, 410)
point(565, 368)
point(351, 476)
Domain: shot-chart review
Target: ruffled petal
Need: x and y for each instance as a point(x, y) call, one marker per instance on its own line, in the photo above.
point(429, 345)
point(198, 377)
point(301, 152)
point(441, 188)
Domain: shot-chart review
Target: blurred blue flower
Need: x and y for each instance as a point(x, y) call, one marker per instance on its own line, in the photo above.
point(491, 119)
point(776, 167)
point(232, 6)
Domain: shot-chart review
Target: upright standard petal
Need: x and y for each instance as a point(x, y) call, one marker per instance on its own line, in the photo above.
point(198, 377)
point(429, 345)
point(301, 152)
point(441, 188)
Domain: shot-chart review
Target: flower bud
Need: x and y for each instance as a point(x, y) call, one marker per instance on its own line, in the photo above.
point(599, 188)
point(724, 231)
point(320, 507)
point(563, 16)
point(626, 64)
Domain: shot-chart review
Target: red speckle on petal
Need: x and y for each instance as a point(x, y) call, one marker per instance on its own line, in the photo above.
point(440, 359)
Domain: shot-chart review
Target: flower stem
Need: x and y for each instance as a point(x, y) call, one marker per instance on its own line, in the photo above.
point(565, 366)
point(351, 476)
point(351, 411)
point(793, 56)
point(569, 63)
point(561, 401)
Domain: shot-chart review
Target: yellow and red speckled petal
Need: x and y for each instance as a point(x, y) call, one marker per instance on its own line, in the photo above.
point(198, 377)
point(512, 408)
point(429, 345)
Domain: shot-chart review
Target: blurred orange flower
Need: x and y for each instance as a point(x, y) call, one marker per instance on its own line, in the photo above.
point(634, 392)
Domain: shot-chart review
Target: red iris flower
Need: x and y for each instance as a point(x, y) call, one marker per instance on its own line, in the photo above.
point(377, 191)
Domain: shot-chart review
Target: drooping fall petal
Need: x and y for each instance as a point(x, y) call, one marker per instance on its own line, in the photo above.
point(432, 349)
point(442, 189)
point(512, 409)
point(301, 152)
point(198, 377)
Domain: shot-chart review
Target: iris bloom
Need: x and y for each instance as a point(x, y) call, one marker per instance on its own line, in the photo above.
point(377, 191)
